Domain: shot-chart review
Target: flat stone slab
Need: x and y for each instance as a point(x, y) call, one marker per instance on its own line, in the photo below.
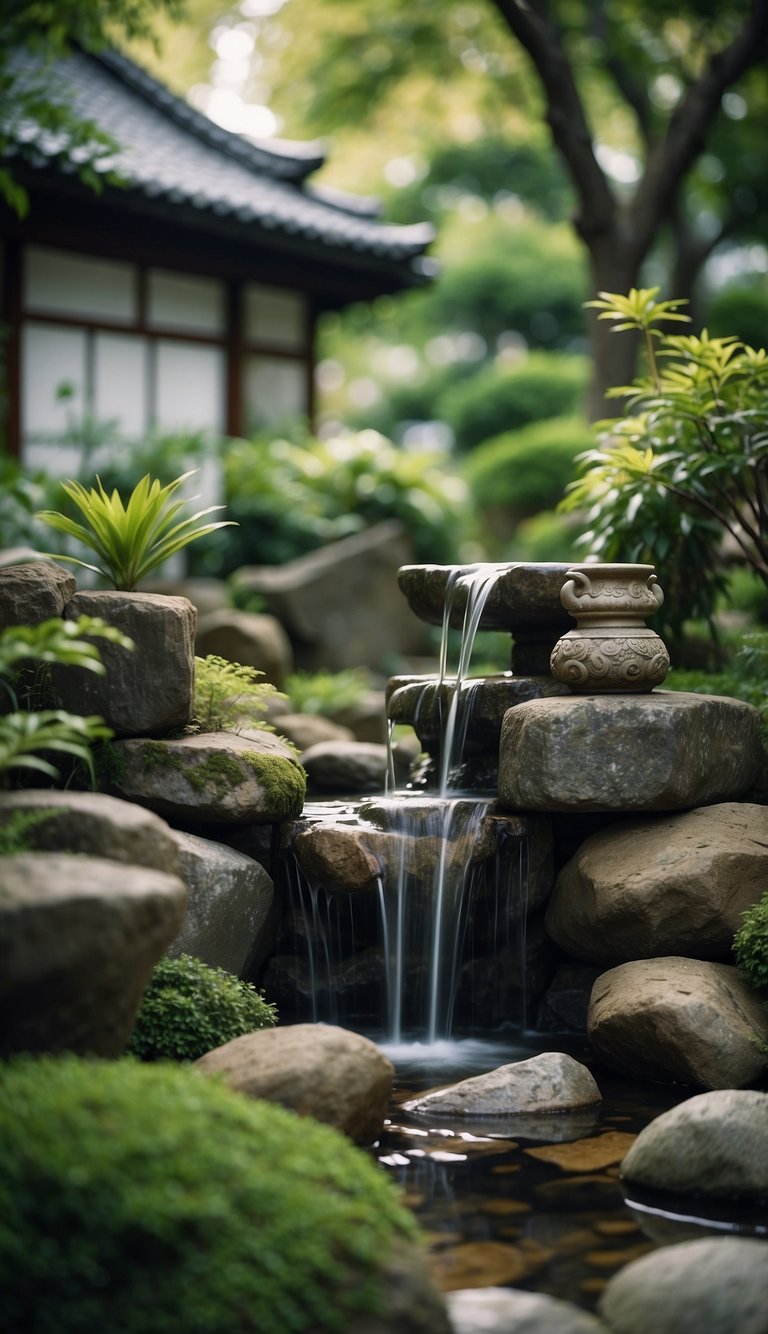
point(523, 594)
point(667, 750)
point(425, 703)
point(551, 1082)
point(679, 1020)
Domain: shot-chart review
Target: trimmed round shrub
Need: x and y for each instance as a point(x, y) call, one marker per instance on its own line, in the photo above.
point(503, 397)
point(741, 310)
point(151, 1200)
point(527, 471)
point(750, 945)
point(189, 1008)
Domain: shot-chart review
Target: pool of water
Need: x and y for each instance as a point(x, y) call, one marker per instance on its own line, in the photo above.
point(531, 1202)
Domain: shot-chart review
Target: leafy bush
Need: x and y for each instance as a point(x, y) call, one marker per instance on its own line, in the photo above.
point(543, 537)
point(688, 464)
point(328, 693)
point(742, 311)
point(504, 397)
point(289, 499)
point(137, 1199)
point(745, 676)
point(526, 471)
point(228, 695)
point(189, 1008)
point(750, 945)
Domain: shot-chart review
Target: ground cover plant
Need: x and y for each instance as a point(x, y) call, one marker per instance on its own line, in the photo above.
point(189, 1008)
point(32, 736)
point(136, 1198)
point(229, 695)
point(328, 693)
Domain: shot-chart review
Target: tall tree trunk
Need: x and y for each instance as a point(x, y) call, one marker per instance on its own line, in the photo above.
point(614, 267)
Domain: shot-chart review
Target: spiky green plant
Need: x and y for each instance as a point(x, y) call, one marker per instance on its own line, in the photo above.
point(132, 538)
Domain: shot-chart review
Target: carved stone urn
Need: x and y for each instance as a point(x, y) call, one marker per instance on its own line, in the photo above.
point(611, 651)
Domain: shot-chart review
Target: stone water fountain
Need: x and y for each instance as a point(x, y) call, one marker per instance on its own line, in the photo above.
point(421, 914)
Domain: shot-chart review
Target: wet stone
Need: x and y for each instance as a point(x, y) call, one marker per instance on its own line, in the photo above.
point(586, 1155)
point(483, 1264)
point(501, 1310)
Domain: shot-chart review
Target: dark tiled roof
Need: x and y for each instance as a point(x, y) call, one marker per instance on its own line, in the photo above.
point(170, 151)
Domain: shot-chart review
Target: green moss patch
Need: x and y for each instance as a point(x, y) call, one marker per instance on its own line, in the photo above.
point(141, 1198)
point(284, 784)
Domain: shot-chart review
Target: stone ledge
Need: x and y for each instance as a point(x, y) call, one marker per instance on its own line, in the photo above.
point(666, 750)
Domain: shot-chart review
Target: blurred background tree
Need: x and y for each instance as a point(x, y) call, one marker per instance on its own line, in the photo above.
point(645, 102)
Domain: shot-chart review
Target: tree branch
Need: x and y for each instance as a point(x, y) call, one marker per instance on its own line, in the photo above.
point(692, 120)
point(567, 120)
point(631, 89)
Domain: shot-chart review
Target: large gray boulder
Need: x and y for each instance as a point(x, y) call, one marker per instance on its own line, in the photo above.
point(34, 592)
point(229, 900)
point(666, 885)
point(92, 824)
point(247, 637)
point(716, 1285)
point(148, 690)
point(658, 752)
point(714, 1145)
point(680, 1020)
point(340, 604)
point(317, 1070)
point(226, 777)
point(513, 1311)
point(79, 937)
point(551, 1082)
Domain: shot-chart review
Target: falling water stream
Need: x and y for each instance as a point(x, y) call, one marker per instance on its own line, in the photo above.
point(434, 895)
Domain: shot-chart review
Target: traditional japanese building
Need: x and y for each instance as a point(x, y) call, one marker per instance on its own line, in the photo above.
point(184, 296)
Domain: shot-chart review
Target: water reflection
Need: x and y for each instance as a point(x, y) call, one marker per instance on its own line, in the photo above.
point(534, 1202)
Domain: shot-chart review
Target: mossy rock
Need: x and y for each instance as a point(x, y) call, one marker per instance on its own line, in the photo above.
point(226, 777)
point(149, 1200)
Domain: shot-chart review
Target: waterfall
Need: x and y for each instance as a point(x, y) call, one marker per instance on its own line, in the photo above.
point(451, 891)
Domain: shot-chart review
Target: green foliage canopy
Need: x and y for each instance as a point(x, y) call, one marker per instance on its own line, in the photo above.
point(29, 97)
